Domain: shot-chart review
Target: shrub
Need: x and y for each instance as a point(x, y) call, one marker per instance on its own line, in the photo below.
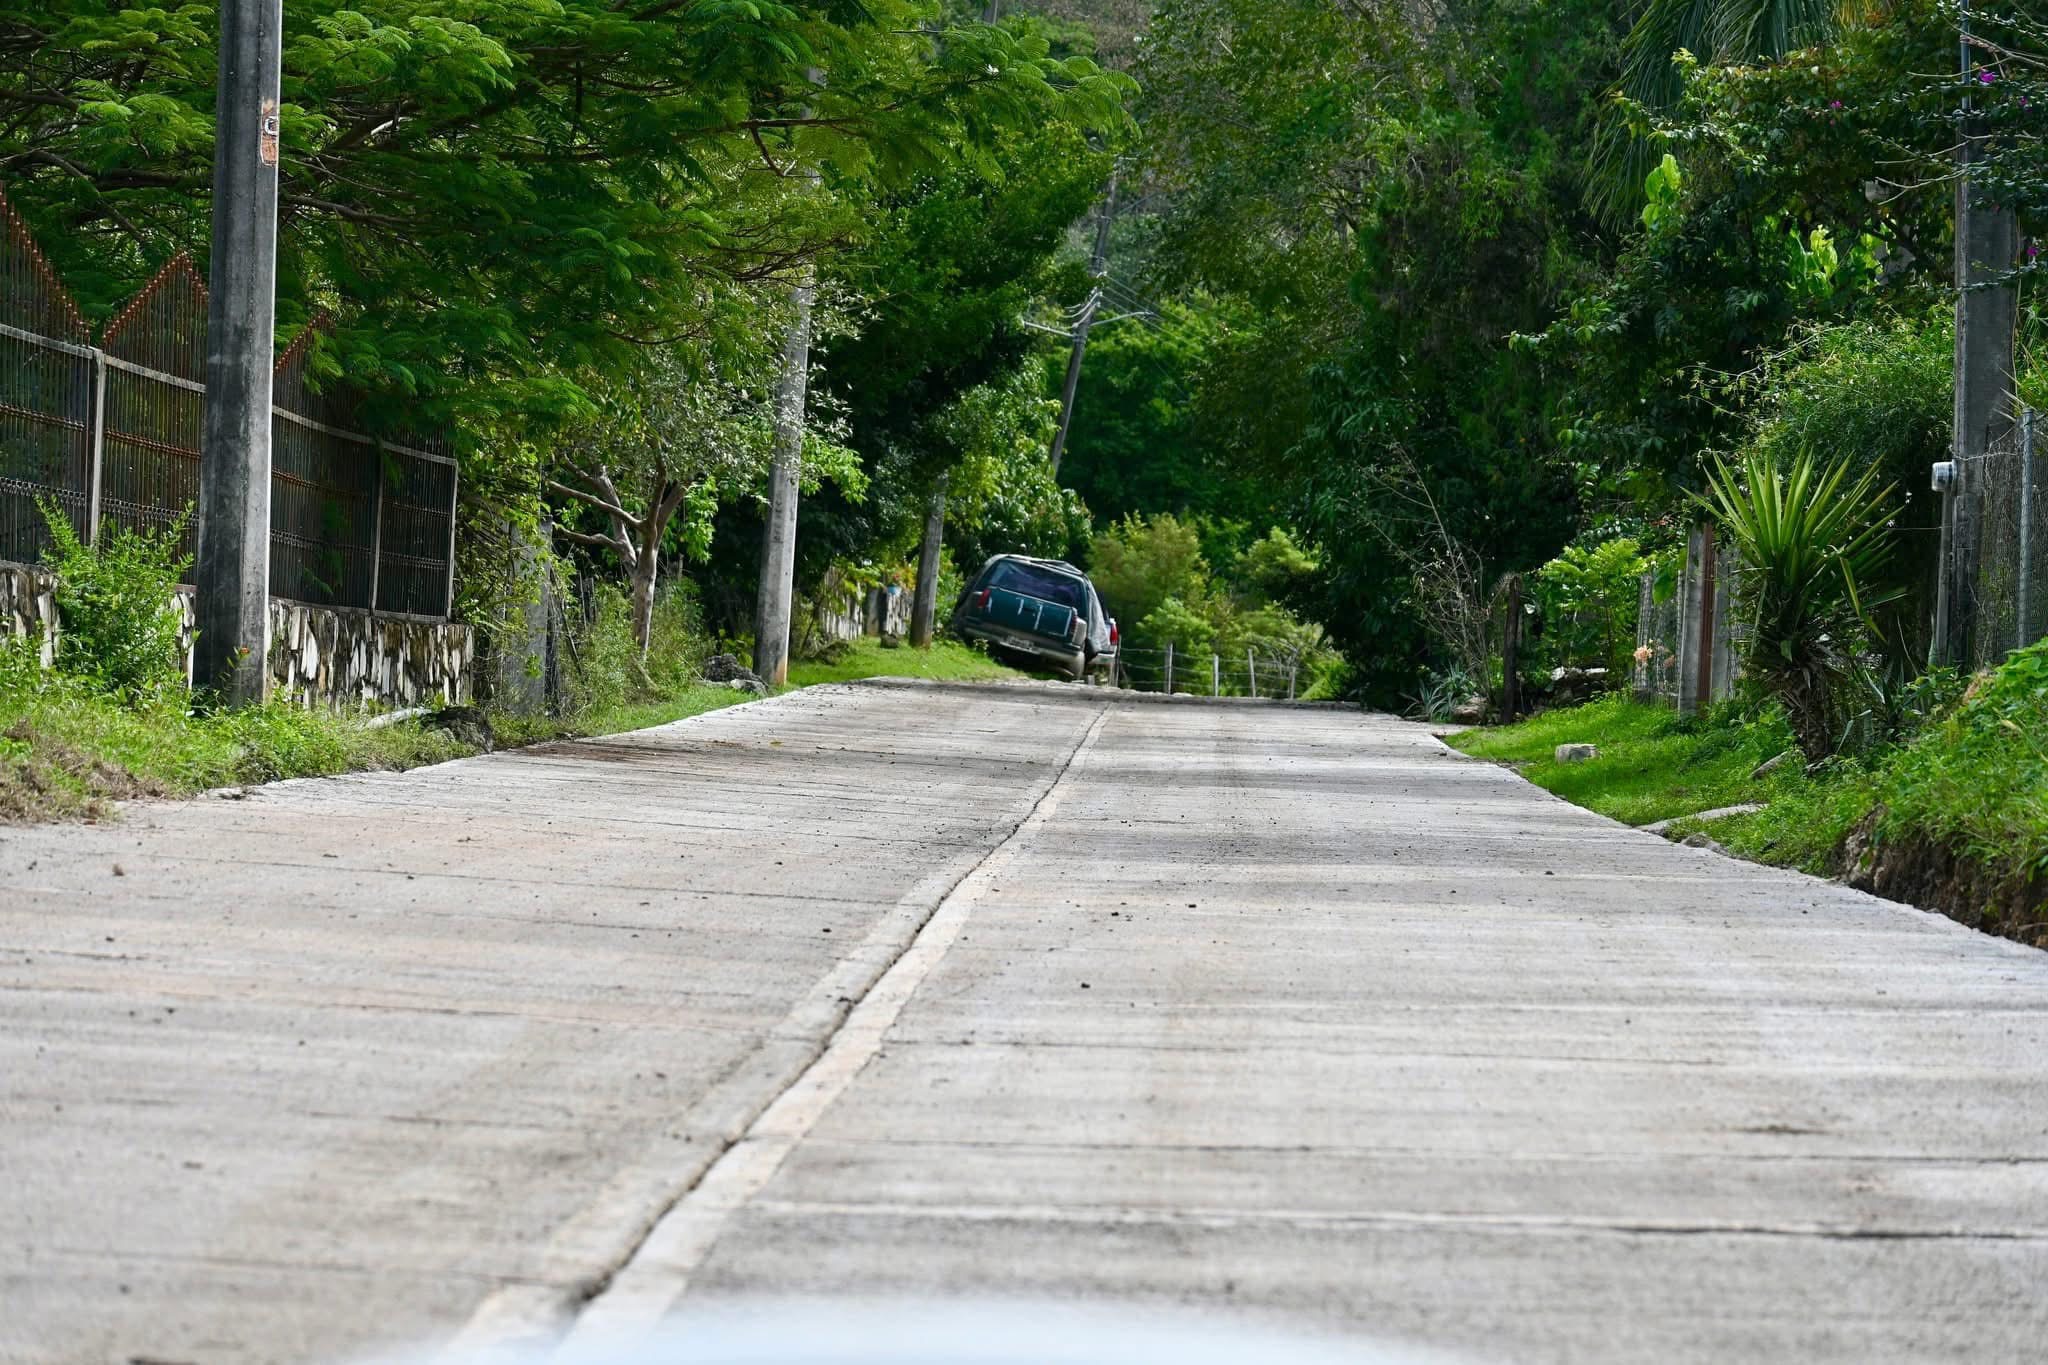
point(1590, 594)
point(115, 601)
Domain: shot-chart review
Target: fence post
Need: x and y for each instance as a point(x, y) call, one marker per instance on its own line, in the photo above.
point(376, 523)
point(1704, 685)
point(1215, 675)
point(1511, 654)
point(1169, 668)
point(97, 445)
point(1251, 667)
point(454, 491)
point(2025, 612)
point(1293, 667)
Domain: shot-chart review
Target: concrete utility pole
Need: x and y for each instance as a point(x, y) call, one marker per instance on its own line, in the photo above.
point(233, 573)
point(1098, 267)
point(778, 546)
point(924, 606)
point(1987, 241)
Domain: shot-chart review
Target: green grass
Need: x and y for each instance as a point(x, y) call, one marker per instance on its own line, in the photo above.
point(1652, 765)
point(512, 731)
point(66, 752)
point(945, 661)
point(1974, 780)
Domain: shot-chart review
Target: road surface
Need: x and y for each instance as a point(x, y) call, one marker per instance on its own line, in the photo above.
point(958, 992)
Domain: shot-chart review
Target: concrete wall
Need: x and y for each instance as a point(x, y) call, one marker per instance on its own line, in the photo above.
point(321, 656)
point(849, 613)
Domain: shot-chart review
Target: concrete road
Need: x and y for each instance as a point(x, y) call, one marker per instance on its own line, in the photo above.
point(958, 992)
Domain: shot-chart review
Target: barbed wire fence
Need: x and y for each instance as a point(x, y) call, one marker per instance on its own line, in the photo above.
point(1273, 675)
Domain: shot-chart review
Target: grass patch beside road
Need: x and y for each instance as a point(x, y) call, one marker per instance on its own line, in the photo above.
point(1652, 765)
point(945, 661)
point(68, 753)
point(1954, 818)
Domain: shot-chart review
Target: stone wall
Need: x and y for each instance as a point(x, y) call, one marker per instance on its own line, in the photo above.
point(322, 656)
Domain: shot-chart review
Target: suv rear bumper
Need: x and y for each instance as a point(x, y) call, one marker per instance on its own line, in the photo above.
point(1056, 652)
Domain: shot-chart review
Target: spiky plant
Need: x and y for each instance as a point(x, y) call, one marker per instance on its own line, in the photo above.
point(1811, 539)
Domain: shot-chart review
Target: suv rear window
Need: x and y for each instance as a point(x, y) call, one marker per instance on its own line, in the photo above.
point(1046, 584)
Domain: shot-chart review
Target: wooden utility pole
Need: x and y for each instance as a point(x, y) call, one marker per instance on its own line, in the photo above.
point(1097, 268)
point(233, 570)
point(1987, 242)
point(778, 544)
point(924, 606)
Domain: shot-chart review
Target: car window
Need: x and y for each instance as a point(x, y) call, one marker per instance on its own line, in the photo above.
point(1033, 581)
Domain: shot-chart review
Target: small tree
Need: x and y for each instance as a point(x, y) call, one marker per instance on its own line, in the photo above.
point(662, 446)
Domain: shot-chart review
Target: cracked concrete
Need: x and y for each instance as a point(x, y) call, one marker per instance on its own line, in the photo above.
point(1285, 1010)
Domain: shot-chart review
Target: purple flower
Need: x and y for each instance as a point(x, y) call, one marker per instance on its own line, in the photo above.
point(1987, 77)
point(1834, 104)
point(2033, 250)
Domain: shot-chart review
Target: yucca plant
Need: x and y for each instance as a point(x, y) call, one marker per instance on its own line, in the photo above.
point(1811, 539)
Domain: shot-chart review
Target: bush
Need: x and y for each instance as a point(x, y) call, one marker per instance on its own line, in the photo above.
point(1590, 595)
point(605, 669)
point(120, 621)
point(1137, 565)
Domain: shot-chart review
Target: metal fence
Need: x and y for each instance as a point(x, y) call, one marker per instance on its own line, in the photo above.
point(1209, 674)
point(2009, 490)
point(109, 434)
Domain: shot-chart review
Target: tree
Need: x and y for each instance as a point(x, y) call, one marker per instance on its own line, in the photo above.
point(661, 446)
point(498, 198)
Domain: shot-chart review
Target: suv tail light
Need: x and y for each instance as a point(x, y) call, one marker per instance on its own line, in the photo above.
point(1115, 637)
point(981, 598)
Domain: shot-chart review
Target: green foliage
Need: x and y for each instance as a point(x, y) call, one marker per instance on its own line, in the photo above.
point(1191, 632)
point(1276, 567)
point(68, 750)
point(1590, 595)
point(118, 613)
point(1138, 565)
point(1442, 693)
point(1974, 779)
point(1811, 541)
point(498, 195)
point(606, 671)
point(1002, 497)
point(1155, 579)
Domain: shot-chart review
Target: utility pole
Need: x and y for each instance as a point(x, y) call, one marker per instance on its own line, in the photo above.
point(1098, 267)
point(1987, 241)
point(233, 573)
point(778, 546)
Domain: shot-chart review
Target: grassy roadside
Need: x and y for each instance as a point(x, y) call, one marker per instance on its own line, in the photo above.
point(68, 752)
point(1955, 819)
point(945, 661)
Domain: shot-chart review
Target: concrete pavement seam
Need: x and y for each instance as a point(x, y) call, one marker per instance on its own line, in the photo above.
point(621, 1218)
point(657, 1275)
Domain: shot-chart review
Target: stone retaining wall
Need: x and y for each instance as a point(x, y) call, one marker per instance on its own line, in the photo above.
point(318, 655)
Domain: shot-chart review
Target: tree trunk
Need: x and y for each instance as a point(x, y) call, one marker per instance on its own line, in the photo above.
point(924, 607)
point(646, 571)
point(778, 546)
